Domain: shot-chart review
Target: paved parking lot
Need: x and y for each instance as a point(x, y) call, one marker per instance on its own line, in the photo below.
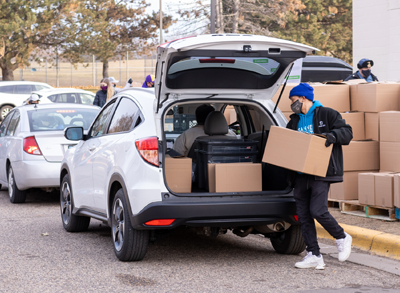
point(181, 261)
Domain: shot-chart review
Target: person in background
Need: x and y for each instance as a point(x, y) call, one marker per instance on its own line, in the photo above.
point(33, 99)
point(114, 83)
point(311, 192)
point(149, 81)
point(105, 93)
point(364, 71)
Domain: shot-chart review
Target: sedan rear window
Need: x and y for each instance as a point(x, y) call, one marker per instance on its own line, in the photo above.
point(58, 119)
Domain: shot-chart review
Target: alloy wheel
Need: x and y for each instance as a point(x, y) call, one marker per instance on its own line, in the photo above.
point(66, 203)
point(4, 112)
point(10, 182)
point(118, 224)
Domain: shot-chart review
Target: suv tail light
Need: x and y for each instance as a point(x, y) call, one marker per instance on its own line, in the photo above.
point(148, 149)
point(160, 222)
point(30, 146)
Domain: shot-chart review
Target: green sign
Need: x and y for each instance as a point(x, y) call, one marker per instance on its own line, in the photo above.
point(260, 60)
point(273, 69)
point(294, 77)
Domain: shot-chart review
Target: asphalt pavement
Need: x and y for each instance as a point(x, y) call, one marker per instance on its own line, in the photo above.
point(37, 255)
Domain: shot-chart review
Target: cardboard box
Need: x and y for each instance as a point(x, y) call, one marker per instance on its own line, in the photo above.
point(178, 173)
point(353, 97)
point(376, 97)
point(372, 126)
point(234, 177)
point(396, 190)
point(297, 151)
point(389, 125)
point(390, 156)
point(357, 123)
point(384, 190)
point(346, 190)
point(230, 115)
point(361, 156)
point(335, 96)
point(366, 188)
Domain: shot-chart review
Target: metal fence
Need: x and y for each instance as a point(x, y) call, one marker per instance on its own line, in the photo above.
point(61, 73)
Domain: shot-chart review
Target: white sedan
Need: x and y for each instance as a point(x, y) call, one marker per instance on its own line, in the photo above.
point(65, 95)
point(32, 145)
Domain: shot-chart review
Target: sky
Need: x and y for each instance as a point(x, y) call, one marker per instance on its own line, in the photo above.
point(171, 7)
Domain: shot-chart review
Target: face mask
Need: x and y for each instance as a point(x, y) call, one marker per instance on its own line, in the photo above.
point(366, 73)
point(296, 107)
point(103, 88)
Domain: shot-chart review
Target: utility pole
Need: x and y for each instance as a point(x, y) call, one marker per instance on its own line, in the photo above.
point(212, 17)
point(161, 17)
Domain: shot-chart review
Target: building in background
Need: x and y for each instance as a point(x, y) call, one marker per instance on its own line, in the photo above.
point(376, 35)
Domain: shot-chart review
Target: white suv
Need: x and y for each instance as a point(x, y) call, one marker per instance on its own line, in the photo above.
point(117, 172)
point(14, 93)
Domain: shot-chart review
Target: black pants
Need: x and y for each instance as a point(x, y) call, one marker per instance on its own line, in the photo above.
point(312, 203)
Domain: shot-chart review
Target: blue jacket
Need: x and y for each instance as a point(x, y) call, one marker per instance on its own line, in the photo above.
point(100, 99)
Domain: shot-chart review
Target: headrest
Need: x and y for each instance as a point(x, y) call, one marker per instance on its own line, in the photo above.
point(216, 124)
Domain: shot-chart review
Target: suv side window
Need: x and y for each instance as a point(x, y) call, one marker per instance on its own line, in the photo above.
point(7, 89)
point(99, 125)
point(24, 89)
point(125, 116)
point(3, 126)
point(52, 98)
point(13, 124)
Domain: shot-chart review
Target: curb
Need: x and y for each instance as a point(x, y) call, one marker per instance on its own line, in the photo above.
point(380, 243)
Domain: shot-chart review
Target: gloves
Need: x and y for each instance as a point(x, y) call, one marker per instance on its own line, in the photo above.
point(330, 138)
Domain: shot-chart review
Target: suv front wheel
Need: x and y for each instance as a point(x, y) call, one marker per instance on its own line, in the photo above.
point(289, 242)
point(129, 244)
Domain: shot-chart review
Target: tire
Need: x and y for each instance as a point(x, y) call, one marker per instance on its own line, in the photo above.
point(71, 222)
point(16, 195)
point(4, 111)
point(289, 242)
point(129, 244)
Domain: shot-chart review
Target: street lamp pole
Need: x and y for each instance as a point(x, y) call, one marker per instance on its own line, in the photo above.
point(161, 17)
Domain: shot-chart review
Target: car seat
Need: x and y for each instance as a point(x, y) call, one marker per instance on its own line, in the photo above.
point(215, 127)
point(70, 99)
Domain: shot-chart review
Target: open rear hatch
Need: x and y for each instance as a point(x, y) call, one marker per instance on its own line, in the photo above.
point(243, 66)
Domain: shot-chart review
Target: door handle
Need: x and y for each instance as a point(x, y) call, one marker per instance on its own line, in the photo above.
point(91, 149)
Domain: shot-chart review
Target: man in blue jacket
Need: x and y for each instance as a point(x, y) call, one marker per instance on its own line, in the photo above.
point(311, 192)
point(364, 71)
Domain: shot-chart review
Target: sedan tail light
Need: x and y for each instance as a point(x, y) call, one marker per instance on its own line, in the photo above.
point(148, 149)
point(31, 147)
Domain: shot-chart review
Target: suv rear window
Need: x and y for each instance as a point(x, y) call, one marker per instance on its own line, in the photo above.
point(263, 66)
point(58, 119)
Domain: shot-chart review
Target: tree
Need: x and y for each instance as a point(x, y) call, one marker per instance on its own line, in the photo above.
point(324, 24)
point(112, 27)
point(29, 24)
point(241, 16)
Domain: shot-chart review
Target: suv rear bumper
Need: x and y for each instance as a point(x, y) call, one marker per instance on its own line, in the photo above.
point(219, 214)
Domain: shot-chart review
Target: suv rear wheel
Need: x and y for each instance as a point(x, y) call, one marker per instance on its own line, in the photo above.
point(129, 244)
point(71, 222)
point(289, 242)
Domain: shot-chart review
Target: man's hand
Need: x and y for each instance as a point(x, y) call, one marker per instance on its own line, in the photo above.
point(330, 138)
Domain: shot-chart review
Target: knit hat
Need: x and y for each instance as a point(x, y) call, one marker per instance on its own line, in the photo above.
point(365, 63)
point(303, 90)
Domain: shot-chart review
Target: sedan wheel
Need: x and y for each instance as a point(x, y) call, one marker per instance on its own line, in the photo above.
point(4, 111)
point(129, 244)
point(71, 222)
point(16, 195)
